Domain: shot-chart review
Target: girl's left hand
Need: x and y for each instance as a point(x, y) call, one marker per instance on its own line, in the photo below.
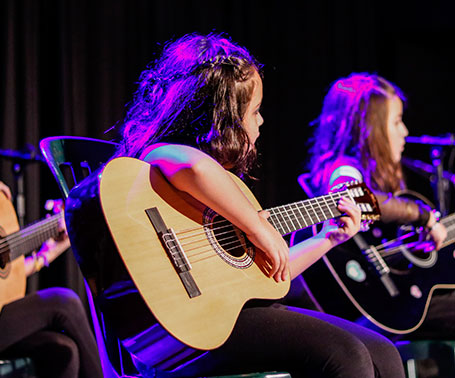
point(345, 227)
point(438, 234)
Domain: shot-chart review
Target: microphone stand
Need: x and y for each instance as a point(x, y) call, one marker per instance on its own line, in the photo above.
point(440, 185)
point(19, 158)
point(18, 173)
point(439, 181)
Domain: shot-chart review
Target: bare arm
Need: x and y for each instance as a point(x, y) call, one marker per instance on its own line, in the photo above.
point(197, 174)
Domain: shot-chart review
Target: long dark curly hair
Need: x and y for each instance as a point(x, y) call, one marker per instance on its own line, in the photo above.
point(196, 93)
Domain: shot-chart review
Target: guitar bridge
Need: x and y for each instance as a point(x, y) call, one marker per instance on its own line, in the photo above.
point(383, 270)
point(174, 252)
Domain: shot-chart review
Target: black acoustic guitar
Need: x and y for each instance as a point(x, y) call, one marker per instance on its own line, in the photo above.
point(387, 274)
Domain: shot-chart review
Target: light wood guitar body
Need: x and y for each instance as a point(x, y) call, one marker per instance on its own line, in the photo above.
point(16, 243)
point(193, 269)
point(224, 287)
point(12, 273)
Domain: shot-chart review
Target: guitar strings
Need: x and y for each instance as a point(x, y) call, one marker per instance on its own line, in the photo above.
point(232, 234)
point(242, 245)
point(18, 241)
point(210, 251)
point(286, 211)
point(224, 242)
point(294, 214)
point(19, 235)
point(393, 243)
point(18, 238)
point(289, 212)
point(386, 251)
point(293, 218)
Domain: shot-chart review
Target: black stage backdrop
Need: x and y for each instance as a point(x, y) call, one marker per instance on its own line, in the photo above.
point(69, 67)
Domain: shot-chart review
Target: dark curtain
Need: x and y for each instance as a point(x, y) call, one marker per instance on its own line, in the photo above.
point(69, 67)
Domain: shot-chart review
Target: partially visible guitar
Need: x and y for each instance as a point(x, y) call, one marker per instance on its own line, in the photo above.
point(385, 274)
point(193, 268)
point(15, 243)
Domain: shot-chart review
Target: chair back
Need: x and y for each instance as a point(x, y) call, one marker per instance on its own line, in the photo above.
point(71, 159)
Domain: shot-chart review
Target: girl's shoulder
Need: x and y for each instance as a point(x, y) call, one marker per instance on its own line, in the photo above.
point(172, 153)
point(150, 149)
point(344, 169)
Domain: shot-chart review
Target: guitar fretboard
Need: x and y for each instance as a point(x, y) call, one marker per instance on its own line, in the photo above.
point(449, 224)
point(302, 214)
point(30, 238)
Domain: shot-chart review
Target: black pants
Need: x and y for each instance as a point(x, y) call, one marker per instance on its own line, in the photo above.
point(302, 342)
point(52, 328)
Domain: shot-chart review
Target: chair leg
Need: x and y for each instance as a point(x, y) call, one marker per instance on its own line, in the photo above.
point(428, 358)
point(17, 368)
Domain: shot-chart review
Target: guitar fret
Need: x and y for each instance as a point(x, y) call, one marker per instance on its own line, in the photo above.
point(292, 218)
point(275, 220)
point(335, 204)
point(308, 215)
point(283, 222)
point(300, 216)
point(322, 211)
point(314, 211)
point(31, 238)
point(288, 221)
point(328, 207)
point(449, 224)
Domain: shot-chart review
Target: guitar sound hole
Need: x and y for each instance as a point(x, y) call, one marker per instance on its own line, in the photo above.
point(4, 259)
point(230, 238)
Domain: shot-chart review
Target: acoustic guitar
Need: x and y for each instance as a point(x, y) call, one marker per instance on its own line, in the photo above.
point(16, 243)
point(193, 268)
point(388, 275)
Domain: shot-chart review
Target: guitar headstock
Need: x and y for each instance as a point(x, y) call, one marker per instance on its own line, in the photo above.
point(364, 198)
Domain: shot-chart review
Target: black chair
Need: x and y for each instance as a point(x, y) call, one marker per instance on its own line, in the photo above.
point(71, 160)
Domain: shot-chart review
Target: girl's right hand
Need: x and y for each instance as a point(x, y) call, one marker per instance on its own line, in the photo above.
point(274, 247)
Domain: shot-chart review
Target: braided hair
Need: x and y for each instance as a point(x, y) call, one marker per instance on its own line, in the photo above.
point(196, 93)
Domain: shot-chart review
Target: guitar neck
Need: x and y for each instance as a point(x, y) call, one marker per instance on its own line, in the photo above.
point(449, 224)
point(31, 237)
point(298, 215)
